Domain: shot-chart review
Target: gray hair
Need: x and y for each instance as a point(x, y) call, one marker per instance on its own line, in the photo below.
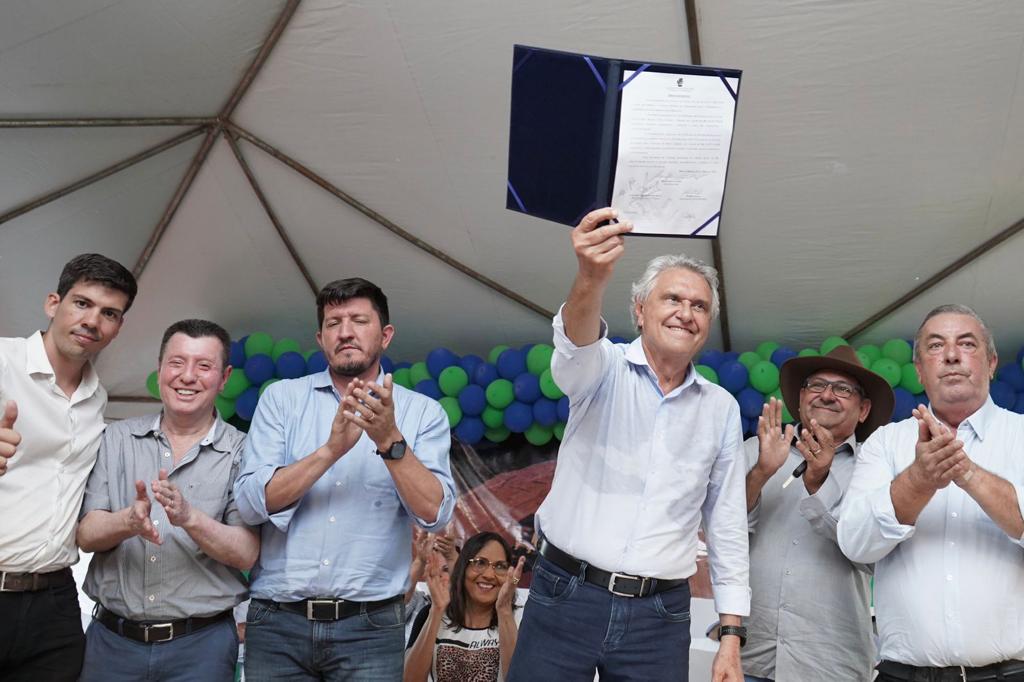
point(955, 309)
point(643, 287)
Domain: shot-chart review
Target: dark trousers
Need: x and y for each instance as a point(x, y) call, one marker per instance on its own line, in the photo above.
point(41, 635)
point(933, 675)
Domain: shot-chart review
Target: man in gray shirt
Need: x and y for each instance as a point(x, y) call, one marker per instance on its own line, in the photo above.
point(809, 611)
point(166, 575)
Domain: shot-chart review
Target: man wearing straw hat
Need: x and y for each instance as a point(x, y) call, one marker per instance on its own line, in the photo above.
point(796, 478)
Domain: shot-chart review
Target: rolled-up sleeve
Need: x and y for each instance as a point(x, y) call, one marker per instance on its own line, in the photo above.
point(577, 369)
point(432, 446)
point(725, 522)
point(264, 454)
point(868, 529)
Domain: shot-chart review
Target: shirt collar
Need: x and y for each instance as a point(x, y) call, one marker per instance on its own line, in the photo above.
point(38, 362)
point(214, 437)
point(635, 354)
point(981, 420)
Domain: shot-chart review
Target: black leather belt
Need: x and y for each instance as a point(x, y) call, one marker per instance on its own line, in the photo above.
point(34, 582)
point(329, 609)
point(911, 673)
point(154, 633)
point(620, 584)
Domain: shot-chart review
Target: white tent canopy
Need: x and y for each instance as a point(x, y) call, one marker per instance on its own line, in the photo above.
point(877, 144)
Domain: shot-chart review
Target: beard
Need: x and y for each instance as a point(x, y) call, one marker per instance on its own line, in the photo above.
point(354, 368)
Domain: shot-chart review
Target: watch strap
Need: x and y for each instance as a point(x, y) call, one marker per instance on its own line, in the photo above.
point(737, 630)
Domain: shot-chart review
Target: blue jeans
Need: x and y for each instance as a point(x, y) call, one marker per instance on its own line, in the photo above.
point(366, 647)
point(206, 655)
point(571, 628)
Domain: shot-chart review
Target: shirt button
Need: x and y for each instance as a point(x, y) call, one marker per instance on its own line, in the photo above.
point(331, 519)
point(337, 483)
point(789, 572)
point(327, 562)
point(953, 515)
point(949, 578)
point(152, 597)
point(796, 542)
point(156, 522)
point(167, 454)
point(152, 558)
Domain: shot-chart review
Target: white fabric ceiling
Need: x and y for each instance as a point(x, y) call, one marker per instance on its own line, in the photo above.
point(876, 143)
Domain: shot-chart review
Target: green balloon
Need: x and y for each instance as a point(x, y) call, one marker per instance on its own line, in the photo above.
point(492, 418)
point(258, 343)
point(787, 418)
point(492, 357)
point(909, 379)
point(452, 409)
point(500, 393)
point(539, 358)
point(402, 377)
point(707, 372)
point(225, 406)
point(309, 353)
point(497, 435)
point(888, 369)
point(539, 435)
point(284, 346)
point(764, 376)
point(831, 343)
point(872, 351)
point(548, 386)
point(267, 383)
point(452, 380)
point(153, 384)
point(898, 350)
point(749, 359)
point(765, 349)
point(808, 352)
point(865, 359)
point(559, 430)
point(236, 384)
point(419, 372)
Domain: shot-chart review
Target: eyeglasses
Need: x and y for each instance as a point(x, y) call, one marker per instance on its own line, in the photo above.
point(840, 389)
point(480, 564)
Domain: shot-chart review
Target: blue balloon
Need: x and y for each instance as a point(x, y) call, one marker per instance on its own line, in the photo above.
point(387, 365)
point(751, 401)
point(1002, 394)
point(469, 363)
point(259, 368)
point(430, 388)
point(618, 339)
point(525, 350)
point(781, 354)
point(732, 376)
point(472, 400)
point(1013, 374)
point(470, 430)
point(526, 387)
point(563, 408)
point(511, 363)
point(1018, 405)
point(290, 365)
point(237, 355)
point(518, 416)
point(485, 373)
point(711, 358)
point(905, 403)
point(245, 405)
point(748, 426)
point(316, 363)
point(730, 355)
point(545, 412)
point(440, 359)
point(403, 365)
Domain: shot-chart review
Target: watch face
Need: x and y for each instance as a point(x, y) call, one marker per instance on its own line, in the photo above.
point(396, 451)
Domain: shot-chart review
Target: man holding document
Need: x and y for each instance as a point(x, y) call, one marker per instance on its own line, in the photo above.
point(651, 452)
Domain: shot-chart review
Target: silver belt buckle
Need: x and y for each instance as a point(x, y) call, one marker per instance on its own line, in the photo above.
point(312, 603)
point(3, 581)
point(615, 576)
point(146, 629)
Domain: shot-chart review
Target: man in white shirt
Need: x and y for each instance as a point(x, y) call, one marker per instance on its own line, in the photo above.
point(936, 503)
point(651, 452)
point(52, 416)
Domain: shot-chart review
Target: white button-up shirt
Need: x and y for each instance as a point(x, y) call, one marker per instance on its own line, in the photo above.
point(639, 471)
point(949, 590)
point(45, 481)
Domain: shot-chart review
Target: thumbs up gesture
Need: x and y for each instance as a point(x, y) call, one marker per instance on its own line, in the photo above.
point(9, 438)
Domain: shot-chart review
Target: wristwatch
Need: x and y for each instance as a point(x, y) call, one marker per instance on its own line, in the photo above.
point(396, 451)
point(737, 630)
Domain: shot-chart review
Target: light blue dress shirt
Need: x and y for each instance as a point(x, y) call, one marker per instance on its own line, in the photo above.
point(349, 536)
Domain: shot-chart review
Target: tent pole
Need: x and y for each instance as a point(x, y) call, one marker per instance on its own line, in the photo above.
point(389, 225)
point(966, 259)
point(106, 122)
point(296, 258)
point(99, 175)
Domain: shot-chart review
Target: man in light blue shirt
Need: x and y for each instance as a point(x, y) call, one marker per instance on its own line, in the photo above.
point(336, 466)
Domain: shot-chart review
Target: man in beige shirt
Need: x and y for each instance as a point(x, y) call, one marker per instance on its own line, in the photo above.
point(52, 417)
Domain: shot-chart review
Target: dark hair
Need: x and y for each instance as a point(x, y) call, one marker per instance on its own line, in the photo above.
point(457, 604)
point(198, 329)
point(341, 290)
point(92, 267)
